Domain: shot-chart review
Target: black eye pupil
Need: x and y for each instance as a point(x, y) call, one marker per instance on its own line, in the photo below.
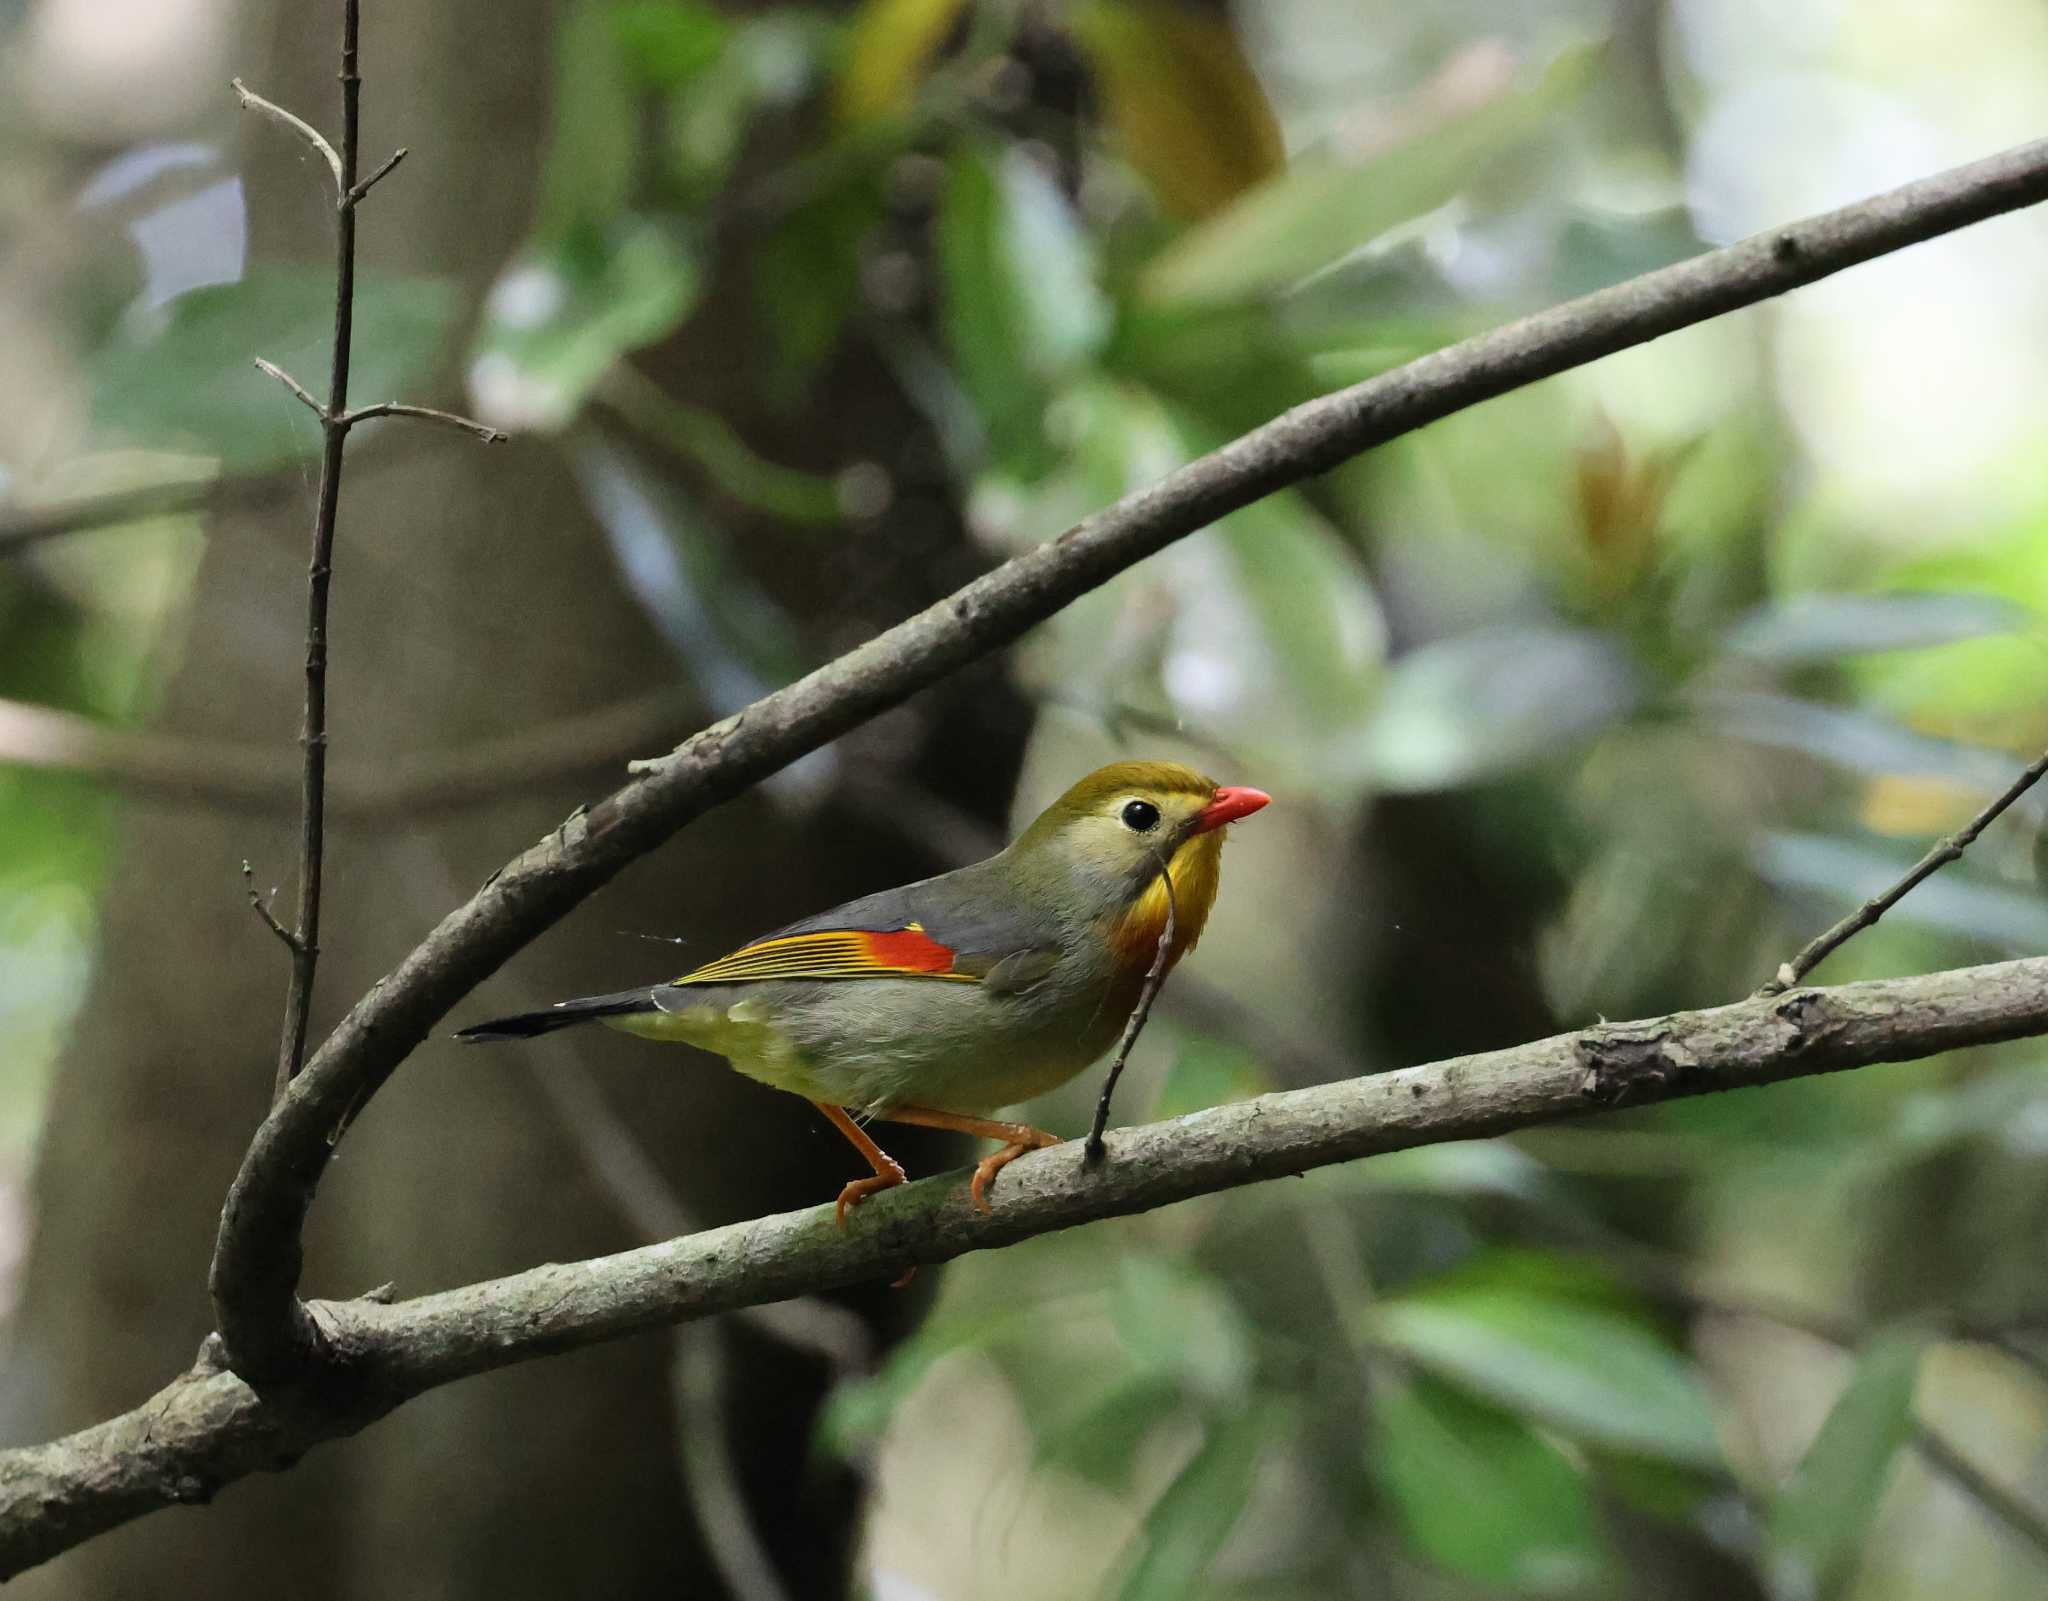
point(1142, 816)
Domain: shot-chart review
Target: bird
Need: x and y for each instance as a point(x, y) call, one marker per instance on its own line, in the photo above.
point(941, 1002)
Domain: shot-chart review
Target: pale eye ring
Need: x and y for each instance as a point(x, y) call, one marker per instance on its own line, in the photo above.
point(1140, 816)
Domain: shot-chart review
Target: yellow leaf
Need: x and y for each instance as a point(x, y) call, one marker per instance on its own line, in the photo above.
point(891, 43)
point(1182, 100)
point(1910, 807)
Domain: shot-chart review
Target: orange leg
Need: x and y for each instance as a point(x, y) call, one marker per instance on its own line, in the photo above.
point(1017, 1139)
point(888, 1171)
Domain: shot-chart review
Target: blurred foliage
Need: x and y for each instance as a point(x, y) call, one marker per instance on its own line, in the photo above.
point(161, 382)
point(1671, 690)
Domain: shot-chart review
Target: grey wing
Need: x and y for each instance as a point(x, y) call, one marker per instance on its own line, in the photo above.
point(970, 911)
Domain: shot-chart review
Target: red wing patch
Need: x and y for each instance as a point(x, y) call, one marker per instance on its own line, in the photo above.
point(835, 953)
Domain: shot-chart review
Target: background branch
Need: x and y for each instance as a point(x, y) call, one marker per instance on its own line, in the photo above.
point(255, 1272)
point(1944, 851)
point(247, 777)
point(209, 1426)
point(31, 525)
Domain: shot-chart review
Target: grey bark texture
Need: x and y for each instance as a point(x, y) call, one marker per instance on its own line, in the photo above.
point(209, 1427)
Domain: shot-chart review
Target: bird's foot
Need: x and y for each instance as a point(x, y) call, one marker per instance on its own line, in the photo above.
point(860, 1189)
point(988, 1167)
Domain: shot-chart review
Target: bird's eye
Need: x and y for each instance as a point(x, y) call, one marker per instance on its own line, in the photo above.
point(1141, 817)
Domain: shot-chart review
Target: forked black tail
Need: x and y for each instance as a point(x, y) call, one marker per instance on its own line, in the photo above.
point(563, 1014)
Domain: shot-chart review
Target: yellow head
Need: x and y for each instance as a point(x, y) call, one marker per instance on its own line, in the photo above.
point(1112, 836)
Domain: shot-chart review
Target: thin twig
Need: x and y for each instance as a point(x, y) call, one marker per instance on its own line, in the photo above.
point(394, 408)
point(1148, 992)
point(2019, 1518)
point(262, 909)
point(252, 101)
point(356, 191)
point(1817, 950)
point(305, 395)
point(291, 1050)
point(254, 1277)
point(335, 423)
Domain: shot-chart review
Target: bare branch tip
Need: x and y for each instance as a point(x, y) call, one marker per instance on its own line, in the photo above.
point(392, 408)
point(364, 186)
point(261, 907)
point(252, 101)
point(271, 369)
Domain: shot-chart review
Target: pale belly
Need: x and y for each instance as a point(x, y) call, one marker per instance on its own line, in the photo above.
point(875, 1044)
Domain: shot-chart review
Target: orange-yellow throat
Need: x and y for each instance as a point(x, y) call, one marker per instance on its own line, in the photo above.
point(1195, 870)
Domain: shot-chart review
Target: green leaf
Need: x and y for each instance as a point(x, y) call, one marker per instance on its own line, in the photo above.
point(769, 62)
point(1187, 109)
point(1667, 1490)
point(1821, 628)
point(1483, 1169)
point(1187, 1525)
point(1320, 210)
point(1820, 1518)
point(558, 318)
point(1099, 1438)
point(1482, 704)
point(806, 277)
point(670, 42)
point(887, 51)
point(1277, 648)
point(1481, 1493)
point(1856, 738)
point(1597, 250)
point(186, 379)
point(1206, 1073)
point(1021, 305)
point(1173, 1319)
point(1232, 366)
point(588, 175)
point(1313, 605)
point(2006, 1105)
point(1262, 634)
point(1586, 1370)
point(856, 1413)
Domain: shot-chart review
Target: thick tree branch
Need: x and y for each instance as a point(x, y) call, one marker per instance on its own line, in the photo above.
point(209, 1427)
point(255, 1273)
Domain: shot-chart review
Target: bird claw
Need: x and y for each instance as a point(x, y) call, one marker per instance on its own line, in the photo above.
point(988, 1167)
point(859, 1190)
